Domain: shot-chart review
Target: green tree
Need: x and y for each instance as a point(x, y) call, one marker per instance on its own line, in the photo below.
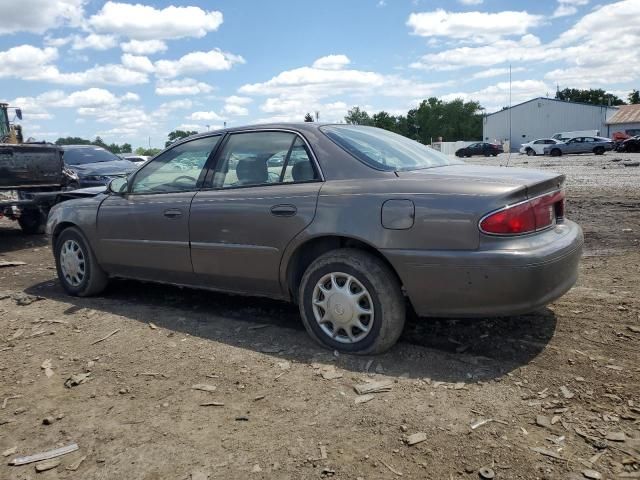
point(355, 116)
point(149, 152)
point(384, 120)
point(73, 141)
point(177, 135)
point(593, 96)
point(634, 97)
point(308, 117)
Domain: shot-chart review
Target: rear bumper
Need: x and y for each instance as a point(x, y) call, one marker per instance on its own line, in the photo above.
point(517, 278)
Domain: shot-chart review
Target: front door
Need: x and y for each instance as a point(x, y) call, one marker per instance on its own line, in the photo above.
point(144, 233)
point(262, 193)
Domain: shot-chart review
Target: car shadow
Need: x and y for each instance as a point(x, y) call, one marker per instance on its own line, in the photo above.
point(12, 239)
point(448, 350)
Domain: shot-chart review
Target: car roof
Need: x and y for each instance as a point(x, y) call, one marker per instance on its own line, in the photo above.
point(68, 147)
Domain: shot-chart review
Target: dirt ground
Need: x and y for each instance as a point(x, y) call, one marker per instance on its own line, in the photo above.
point(560, 386)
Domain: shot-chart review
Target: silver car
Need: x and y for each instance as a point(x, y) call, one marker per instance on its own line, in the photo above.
point(595, 145)
point(354, 224)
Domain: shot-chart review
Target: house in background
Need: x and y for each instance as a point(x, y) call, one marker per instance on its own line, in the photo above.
point(625, 120)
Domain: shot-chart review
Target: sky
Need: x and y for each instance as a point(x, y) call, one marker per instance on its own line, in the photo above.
point(132, 72)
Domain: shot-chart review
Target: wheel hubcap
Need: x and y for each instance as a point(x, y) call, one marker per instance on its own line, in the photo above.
point(343, 307)
point(72, 263)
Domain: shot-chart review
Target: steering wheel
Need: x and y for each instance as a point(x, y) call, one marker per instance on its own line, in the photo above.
point(184, 177)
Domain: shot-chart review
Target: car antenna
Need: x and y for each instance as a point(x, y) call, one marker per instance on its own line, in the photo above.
point(509, 156)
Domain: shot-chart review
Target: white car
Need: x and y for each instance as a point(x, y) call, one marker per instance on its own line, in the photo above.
point(536, 147)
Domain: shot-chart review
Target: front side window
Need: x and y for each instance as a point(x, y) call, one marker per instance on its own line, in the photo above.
point(384, 150)
point(263, 158)
point(177, 169)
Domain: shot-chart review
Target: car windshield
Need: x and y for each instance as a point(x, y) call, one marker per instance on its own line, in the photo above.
point(384, 150)
point(81, 156)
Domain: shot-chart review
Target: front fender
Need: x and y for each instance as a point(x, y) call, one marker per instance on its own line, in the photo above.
point(81, 213)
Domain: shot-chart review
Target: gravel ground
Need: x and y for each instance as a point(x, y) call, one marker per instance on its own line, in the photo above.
point(559, 388)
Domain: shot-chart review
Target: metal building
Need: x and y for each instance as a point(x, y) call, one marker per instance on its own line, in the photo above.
point(541, 118)
point(626, 120)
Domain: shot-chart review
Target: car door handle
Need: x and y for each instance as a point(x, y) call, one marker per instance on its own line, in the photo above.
point(284, 210)
point(173, 213)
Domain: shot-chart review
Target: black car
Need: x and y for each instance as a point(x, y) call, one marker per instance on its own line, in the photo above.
point(94, 165)
point(480, 148)
point(630, 145)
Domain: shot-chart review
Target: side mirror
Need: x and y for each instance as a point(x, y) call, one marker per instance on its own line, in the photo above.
point(118, 186)
point(19, 113)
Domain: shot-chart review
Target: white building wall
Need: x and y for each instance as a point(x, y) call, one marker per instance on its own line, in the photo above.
point(541, 118)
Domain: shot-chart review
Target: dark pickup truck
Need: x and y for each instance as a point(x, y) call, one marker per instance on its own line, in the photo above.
point(32, 176)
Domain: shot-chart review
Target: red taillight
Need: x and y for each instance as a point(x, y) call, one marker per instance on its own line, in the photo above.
point(527, 217)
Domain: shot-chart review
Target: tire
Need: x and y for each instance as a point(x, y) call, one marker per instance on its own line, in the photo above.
point(32, 222)
point(531, 152)
point(486, 154)
point(598, 150)
point(93, 279)
point(494, 154)
point(383, 297)
point(556, 152)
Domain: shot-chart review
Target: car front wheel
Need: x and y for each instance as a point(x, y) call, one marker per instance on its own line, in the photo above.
point(351, 301)
point(556, 152)
point(530, 152)
point(598, 150)
point(78, 270)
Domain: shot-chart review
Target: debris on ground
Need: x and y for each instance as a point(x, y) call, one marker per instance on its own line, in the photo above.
point(10, 451)
point(616, 436)
point(204, 387)
point(566, 393)
point(49, 454)
point(373, 387)
point(397, 472)
point(23, 299)
point(486, 473)
point(76, 465)
point(329, 372)
point(76, 379)
point(416, 438)
point(363, 398)
point(6, 400)
point(47, 367)
point(547, 453)
point(591, 474)
point(47, 465)
point(212, 404)
point(4, 263)
point(106, 336)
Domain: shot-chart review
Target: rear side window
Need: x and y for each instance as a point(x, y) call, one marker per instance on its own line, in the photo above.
point(384, 150)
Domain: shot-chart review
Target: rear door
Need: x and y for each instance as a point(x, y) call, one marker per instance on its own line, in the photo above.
point(145, 232)
point(262, 193)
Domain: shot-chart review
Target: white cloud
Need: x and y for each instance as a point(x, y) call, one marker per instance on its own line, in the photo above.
point(471, 2)
point(94, 42)
point(38, 16)
point(568, 7)
point(197, 62)
point(205, 116)
point(332, 62)
point(496, 96)
point(142, 22)
point(496, 72)
point(26, 62)
point(57, 41)
point(236, 100)
point(235, 110)
point(144, 47)
point(190, 127)
point(185, 86)
point(137, 63)
point(475, 25)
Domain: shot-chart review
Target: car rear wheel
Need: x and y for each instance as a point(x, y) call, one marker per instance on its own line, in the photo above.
point(556, 152)
point(352, 302)
point(531, 152)
point(33, 222)
point(78, 270)
point(598, 150)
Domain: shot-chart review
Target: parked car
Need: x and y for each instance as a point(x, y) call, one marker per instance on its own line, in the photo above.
point(480, 148)
point(576, 133)
point(596, 145)
point(630, 145)
point(363, 218)
point(536, 147)
point(139, 159)
point(94, 165)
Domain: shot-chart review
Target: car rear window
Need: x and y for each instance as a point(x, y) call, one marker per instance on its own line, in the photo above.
point(384, 150)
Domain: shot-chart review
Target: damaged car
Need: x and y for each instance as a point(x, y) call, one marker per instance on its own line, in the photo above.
point(354, 224)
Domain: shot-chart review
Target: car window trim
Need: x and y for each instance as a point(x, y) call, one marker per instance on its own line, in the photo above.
point(201, 177)
point(214, 161)
point(286, 160)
